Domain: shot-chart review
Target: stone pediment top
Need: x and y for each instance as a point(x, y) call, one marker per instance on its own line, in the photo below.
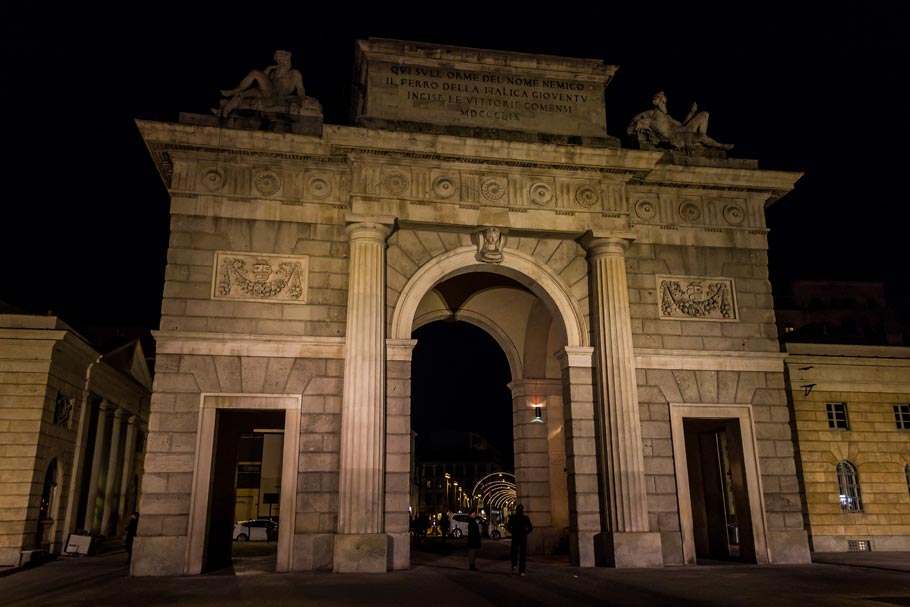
point(588, 69)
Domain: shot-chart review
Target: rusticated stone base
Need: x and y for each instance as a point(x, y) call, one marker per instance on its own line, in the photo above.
point(361, 553)
point(400, 551)
point(9, 557)
point(628, 550)
point(581, 548)
point(159, 556)
point(548, 540)
point(313, 551)
point(789, 547)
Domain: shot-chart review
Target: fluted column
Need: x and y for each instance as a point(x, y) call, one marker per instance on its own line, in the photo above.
point(361, 492)
point(97, 459)
point(115, 459)
point(129, 459)
point(628, 541)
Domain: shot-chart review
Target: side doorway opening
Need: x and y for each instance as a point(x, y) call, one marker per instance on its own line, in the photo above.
point(224, 419)
point(246, 481)
point(720, 506)
point(718, 484)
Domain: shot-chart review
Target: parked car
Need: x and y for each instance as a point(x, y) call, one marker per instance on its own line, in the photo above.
point(259, 530)
point(458, 527)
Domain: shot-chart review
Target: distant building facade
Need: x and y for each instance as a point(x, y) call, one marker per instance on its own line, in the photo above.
point(73, 423)
point(632, 301)
point(450, 465)
point(852, 413)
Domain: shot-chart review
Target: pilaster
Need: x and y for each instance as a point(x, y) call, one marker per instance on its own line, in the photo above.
point(97, 458)
point(114, 470)
point(361, 493)
point(581, 449)
point(129, 460)
point(628, 541)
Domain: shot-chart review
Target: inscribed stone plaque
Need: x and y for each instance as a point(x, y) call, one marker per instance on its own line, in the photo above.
point(260, 277)
point(453, 86)
point(696, 298)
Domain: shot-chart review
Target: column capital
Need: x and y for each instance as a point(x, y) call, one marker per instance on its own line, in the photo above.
point(376, 228)
point(606, 244)
point(118, 412)
point(576, 356)
point(106, 405)
point(132, 419)
point(399, 349)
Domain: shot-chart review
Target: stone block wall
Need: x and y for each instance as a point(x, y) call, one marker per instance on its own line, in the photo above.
point(753, 331)
point(188, 304)
point(173, 425)
point(764, 391)
point(23, 398)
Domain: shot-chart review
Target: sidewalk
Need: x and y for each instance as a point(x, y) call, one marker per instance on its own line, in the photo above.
point(439, 578)
point(892, 561)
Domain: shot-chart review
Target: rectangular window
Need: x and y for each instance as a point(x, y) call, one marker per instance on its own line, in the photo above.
point(902, 417)
point(837, 416)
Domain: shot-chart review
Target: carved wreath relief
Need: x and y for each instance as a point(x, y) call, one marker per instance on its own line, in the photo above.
point(260, 277)
point(696, 298)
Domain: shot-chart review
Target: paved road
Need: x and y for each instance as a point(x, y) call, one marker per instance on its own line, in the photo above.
point(439, 578)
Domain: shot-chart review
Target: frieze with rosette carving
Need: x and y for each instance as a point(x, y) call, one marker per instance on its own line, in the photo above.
point(395, 181)
point(696, 298)
point(266, 183)
point(494, 188)
point(260, 277)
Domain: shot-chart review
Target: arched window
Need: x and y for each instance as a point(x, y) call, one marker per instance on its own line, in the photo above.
point(848, 484)
point(48, 493)
point(907, 474)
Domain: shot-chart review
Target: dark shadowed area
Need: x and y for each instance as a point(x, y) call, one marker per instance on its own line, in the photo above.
point(460, 384)
point(810, 89)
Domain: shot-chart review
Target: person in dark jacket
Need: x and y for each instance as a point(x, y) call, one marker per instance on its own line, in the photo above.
point(444, 524)
point(473, 540)
point(519, 526)
point(131, 528)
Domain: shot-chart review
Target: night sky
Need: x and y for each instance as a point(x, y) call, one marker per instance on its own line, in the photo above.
point(85, 222)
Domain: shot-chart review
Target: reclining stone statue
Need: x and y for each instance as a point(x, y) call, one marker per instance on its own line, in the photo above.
point(656, 128)
point(278, 88)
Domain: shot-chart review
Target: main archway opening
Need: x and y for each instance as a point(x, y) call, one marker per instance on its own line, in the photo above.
point(486, 398)
point(461, 416)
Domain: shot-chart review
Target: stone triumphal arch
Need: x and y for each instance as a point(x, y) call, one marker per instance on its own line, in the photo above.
point(630, 296)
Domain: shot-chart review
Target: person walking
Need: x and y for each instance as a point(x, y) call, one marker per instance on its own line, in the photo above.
point(444, 524)
point(131, 528)
point(519, 526)
point(473, 540)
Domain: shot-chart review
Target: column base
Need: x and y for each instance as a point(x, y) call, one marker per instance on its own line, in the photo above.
point(361, 553)
point(581, 548)
point(400, 551)
point(628, 550)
